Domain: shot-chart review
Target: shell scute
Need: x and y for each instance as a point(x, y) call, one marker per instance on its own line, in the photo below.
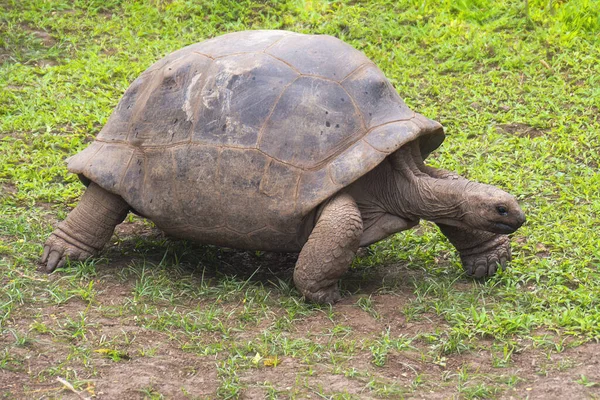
point(196, 183)
point(312, 121)
point(385, 138)
point(276, 180)
point(133, 179)
point(376, 98)
point(237, 95)
point(239, 177)
point(92, 163)
point(278, 186)
point(353, 162)
point(118, 124)
point(159, 199)
point(162, 114)
point(311, 187)
point(321, 55)
point(238, 42)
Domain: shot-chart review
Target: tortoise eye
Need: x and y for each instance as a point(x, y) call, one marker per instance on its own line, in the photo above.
point(502, 210)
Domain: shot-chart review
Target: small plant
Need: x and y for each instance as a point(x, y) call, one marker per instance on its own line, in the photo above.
point(583, 380)
point(21, 340)
point(112, 354)
point(504, 359)
point(151, 393)
point(367, 305)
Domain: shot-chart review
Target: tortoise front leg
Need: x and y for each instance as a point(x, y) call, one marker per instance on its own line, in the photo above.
point(329, 251)
point(86, 229)
point(480, 252)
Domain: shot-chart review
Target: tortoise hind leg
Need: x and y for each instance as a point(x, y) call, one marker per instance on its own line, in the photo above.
point(86, 229)
point(329, 251)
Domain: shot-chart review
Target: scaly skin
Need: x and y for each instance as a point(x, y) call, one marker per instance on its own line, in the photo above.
point(402, 190)
point(329, 251)
point(481, 253)
point(86, 229)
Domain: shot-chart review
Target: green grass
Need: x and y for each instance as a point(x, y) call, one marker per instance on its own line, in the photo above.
point(518, 90)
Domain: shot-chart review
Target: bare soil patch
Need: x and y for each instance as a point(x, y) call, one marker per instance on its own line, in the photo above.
point(46, 39)
point(520, 129)
point(558, 376)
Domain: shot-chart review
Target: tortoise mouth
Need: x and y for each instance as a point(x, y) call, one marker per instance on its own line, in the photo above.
point(499, 227)
point(503, 228)
point(509, 226)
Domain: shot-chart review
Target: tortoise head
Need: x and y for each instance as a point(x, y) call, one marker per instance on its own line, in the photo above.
point(444, 197)
point(491, 209)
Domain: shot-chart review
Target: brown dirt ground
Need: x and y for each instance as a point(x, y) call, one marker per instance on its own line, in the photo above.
point(519, 129)
point(173, 372)
point(156, 362)
point(170, 369)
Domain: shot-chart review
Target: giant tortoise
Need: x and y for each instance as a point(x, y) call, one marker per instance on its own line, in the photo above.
point(277, 141)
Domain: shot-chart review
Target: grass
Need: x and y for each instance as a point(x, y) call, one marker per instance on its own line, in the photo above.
point(516, 84)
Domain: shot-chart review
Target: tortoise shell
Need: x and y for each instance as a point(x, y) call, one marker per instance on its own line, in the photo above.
point(236, 140)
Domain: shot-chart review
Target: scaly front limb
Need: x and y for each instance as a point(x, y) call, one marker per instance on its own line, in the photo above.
point(329, 251)
point(86, 229)
point(480, 252)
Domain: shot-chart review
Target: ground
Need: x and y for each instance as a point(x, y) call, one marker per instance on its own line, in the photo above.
point(514, 83)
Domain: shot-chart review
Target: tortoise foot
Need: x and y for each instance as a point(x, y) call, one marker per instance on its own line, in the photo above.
point(57, 250)
point(479, 264)
point(86, 229)
point(329, 295)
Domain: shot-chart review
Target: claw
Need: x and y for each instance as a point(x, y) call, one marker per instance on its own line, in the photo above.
point(480, 269)
point(45, 254)
point(503, 261)
point(488, 262)
point(54, 259)
point(57, 251)
point(61, 263)
point(329, 295)
point(492, 265)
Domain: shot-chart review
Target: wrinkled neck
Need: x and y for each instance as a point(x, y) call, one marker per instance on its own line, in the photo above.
point(412, 194)
point(439, 200)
